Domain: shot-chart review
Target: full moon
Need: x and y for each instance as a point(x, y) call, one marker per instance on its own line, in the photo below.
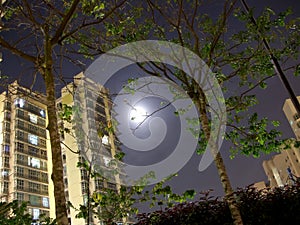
point(138, 114)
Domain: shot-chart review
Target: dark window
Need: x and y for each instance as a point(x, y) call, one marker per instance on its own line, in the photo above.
point(33, 151)
point(99, 184)
point(20, 184)
point(84, 187)
point(84, 174)
point(20, 147)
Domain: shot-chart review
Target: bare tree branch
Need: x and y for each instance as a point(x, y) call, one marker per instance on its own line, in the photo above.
point(64, 23)
point(17, 51)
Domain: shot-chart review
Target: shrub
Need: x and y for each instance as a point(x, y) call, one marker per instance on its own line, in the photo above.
point(269, 206)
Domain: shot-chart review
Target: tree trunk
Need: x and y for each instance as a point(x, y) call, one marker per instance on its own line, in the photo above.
point(57, 169)
point(230, 198)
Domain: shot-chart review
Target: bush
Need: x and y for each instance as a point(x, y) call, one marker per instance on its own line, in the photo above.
point(269, 206)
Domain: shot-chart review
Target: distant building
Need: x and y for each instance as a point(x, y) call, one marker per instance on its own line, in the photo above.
point(259, 185)
point(292, 116)
point(283, 168)
point(24, 149)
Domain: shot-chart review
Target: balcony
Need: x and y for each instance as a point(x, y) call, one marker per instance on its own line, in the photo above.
point(34, 109)
point(25, 163)
point(40, 122)
point(34, 178)
point(41, 132)
point(24, 138)
point(32, 190)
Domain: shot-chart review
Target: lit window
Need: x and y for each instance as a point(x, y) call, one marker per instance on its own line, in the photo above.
point(42, 112)
point(20, 102)
point(6, 149)
point(35, 214)
point(32, 118)
point(34, 162)
point(33, 139)
point(4, 173)
point(45, 202)
point(105, 139)
point(106, 161)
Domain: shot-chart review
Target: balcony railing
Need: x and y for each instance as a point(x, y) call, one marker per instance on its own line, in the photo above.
point(32, 190)
point(40, 132)
point(25, 163)
point(40, 122)
point(35, 178)
point(24, 138)
point(35, 154)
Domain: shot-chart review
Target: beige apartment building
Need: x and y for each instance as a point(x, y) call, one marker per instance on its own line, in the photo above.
point(292, 116)
point(277, 167)
point(284, 168)
point(82, 142)
point(25, 156)
point(25, 152)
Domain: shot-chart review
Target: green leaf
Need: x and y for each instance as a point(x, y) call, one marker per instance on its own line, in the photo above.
point(275, 123)
point(297, 71)
point(189, 194)
point(263, 85)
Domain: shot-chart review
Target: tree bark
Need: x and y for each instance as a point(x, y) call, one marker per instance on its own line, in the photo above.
point(57, 164)
point(200, 103)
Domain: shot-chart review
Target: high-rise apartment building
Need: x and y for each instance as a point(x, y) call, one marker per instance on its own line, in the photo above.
point(281, 169)
point(83, 141)
point(284, 168)
point(24, 149)
point(292, 116)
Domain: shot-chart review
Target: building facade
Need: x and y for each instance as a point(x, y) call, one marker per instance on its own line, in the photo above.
point(292, 116)
point(281, 169)
point(284, 168)
point(88, 139)
point(25, 149)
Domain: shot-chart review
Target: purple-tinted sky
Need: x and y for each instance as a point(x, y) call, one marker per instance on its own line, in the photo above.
point(244, 170)
point(241, 170)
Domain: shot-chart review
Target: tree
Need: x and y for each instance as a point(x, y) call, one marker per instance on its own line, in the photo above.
point(237, 57)
point(14, 213)
point(43, 30)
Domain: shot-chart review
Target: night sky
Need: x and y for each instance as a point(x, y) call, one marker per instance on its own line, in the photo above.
point(242, 170)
